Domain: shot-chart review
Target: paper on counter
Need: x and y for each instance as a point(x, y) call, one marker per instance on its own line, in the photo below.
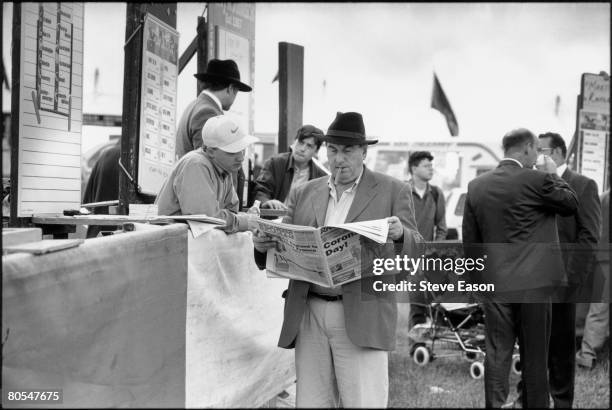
point(200, 228)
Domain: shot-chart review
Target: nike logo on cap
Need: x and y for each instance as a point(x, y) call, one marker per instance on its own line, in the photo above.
point(234, 130)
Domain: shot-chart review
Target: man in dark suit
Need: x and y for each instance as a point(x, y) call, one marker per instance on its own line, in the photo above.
point(342, 336)
point(289, 170)
point(221, 85)
point(578, 235)
point(596, 326)
point(511, 213)
point(581, 233)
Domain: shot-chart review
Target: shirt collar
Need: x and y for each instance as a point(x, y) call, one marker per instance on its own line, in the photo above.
point(332, 187)
point(291, 162)
point(214, 98)
point(561, 169)
point(413, 187)
point(512, 159)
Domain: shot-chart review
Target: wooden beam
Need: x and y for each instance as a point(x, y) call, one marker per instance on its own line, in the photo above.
point(15, 86)
point(188, 54)
point(131, 104)
point(130, 130)
point(290, 92)
point(202, 50)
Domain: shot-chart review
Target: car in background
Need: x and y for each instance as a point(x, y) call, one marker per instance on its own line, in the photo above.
point(455, 202)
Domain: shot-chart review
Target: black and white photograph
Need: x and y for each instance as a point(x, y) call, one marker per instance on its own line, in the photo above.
point(306, 205)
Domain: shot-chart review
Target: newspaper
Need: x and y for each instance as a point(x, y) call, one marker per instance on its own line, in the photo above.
point(329, 256)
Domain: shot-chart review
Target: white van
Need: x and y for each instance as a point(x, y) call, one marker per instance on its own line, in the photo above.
point(455, 165)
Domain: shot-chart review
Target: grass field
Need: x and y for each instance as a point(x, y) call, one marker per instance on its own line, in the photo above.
point(446, 382)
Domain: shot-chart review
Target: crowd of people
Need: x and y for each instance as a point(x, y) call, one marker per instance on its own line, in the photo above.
point(342, 340)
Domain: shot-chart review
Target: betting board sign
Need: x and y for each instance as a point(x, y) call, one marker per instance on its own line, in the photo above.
point(158, 104)
point(50, 108)
point(594, 129)
point(231, 34)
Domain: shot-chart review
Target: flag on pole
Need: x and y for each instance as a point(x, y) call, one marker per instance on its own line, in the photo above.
point(440, 103)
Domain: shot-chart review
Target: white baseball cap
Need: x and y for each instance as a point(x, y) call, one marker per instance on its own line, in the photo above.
point(224, 132)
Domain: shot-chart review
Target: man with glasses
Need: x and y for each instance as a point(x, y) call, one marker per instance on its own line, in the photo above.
point(286, 171)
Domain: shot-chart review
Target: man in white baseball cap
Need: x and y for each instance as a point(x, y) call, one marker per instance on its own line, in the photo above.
point(201, 181)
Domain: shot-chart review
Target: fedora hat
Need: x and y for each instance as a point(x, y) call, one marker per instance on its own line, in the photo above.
point(347, 129)
point(225, 70)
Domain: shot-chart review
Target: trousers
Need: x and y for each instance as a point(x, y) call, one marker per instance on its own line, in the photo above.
point(504, 322)
point(331, 370)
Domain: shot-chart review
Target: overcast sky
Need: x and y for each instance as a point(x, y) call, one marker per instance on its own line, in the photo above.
point(501, 65)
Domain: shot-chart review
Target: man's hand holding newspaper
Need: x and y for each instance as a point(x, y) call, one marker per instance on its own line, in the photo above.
point(396, 229)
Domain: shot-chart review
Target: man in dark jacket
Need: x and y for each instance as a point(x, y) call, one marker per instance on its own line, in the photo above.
point(103, 185)
point(596, 326)
point(342, 338)
point(221, 86)
point(510, 212)
point(578, 235)
point(288, 170)
point(429, 212)
point(581, 233)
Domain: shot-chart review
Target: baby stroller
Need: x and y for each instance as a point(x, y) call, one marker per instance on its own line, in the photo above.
point(453, 329)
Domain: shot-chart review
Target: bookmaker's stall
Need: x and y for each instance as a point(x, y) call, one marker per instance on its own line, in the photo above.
point(151, 313)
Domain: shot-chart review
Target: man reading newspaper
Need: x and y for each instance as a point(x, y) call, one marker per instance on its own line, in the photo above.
point(342, 339)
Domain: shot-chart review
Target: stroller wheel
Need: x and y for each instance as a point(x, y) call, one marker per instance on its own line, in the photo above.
point(516, 364)
point(476, 370)
point(421, 355)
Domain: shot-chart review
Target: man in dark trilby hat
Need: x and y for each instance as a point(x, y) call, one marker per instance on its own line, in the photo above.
point(341, 336)
point(221, 85)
